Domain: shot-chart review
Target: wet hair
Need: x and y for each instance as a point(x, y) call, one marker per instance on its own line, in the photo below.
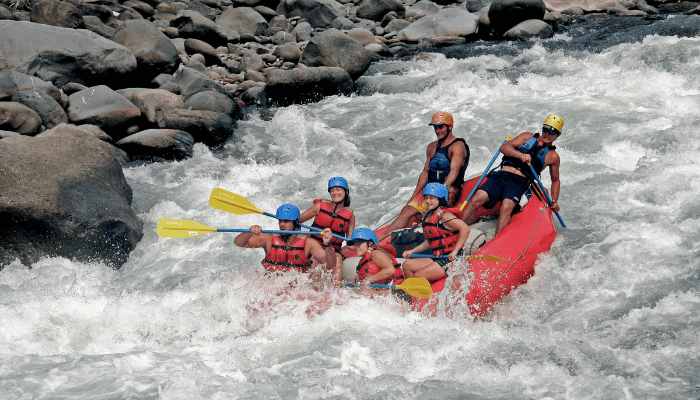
point(443, 202)
point(346, 200)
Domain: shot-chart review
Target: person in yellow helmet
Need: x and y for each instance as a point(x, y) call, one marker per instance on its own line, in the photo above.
point(508, 184)
point(446, 161)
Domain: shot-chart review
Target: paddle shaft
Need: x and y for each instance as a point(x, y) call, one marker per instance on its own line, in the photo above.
point(481, 178)
point(272, 231)
point(546, 195)
point(313, 228)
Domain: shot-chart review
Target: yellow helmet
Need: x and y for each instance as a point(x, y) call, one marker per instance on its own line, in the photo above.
point(554, 121)
point(442, 118)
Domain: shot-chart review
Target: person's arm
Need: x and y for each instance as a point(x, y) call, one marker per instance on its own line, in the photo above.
point(351, 226)
point(387, 269)
point(311, 211)
point(325, 253)
point(510, 148)
point(457, 157)
point(456, 224)
point(252, 239)
point(554, 174)
point(423, 178)
point(418, 249)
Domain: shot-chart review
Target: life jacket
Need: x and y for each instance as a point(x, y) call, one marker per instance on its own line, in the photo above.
point(537, 152)
point(337, 220)
point(287, 255)
point(366, 267)
point(439, 164)
point(441, 240)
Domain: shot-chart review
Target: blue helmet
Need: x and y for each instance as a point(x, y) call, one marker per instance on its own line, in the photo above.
point(364, 234)
point(338, 181)
point(436, 190)
point(288, 212)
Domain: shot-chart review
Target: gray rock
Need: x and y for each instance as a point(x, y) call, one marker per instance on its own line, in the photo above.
point(252, 61)
point(376, 9)
point(421, 9)
point(64, 196)
point(5, 13)
point(505, 14)
point(12, 82)
point(301, 85)
point(255, 95)
point(50, 112)
point(102, 106)
point(19, 118)
point(396, 25)
point(283, 37)
point(6, 134)
point(154, 52)
point(96, 25)
point(72, 87)
point(56, 12)
point(191, 24)
point(209, 127)
point(303, 31)
point(473, 6)
point(529, 29)
point(288, 52)
point(205, 10)
point(152, 101)
point(193, 46)
point(141, 7)
point(63, 55)
point(266, 12)
point(453, 21)
point(333, 48)
point(158, 145)
point(211, 101)
point(191, 81)
point(363, 36)
point(342, 23)
point(255, 76)
point(243, 20)
point(128, 14)
point(278, 23)
point(318, 13)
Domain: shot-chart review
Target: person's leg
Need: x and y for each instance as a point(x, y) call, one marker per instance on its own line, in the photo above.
point(480, 198)
point(504, 214)
point(411, 266)
point(432, 272)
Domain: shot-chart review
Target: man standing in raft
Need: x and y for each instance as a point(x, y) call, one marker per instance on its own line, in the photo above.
point(288, 252)
point(513, 179)
point(446, 162)
point(445, 235)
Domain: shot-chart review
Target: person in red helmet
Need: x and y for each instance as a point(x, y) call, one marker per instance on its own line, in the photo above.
point(446, 161)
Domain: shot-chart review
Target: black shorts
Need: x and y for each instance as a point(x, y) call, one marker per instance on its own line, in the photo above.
point(444, 261)
point(504, 185)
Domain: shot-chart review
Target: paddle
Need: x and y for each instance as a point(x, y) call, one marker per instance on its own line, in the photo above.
point(481, 178)
point(485, 257)
point(183, 228)
point(414, 287)
point(222, 199)
point(540, 186)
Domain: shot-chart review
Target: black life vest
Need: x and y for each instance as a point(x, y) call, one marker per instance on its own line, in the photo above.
point(439, 164)
point(537, 152)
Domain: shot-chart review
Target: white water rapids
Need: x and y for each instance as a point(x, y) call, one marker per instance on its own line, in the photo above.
point(611, 313)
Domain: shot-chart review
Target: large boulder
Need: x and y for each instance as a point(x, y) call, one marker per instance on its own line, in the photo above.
point(62, 55)
point(12, 82)
point(449, 22)
point(64, 195)
point(301, 85)
point(152, 101)
point(209, 127)
point(103, 107)
point(505, 14)
point(19, 118)
point(47, 107)
point(421, 9)
point(158, 145)
point(191, 24)
point(319, 13)
point(529, 29)
point(333, 48)
point(56, 12)
point(154, 52)
point(192, 81)
point(376, 9)
point(211, 100)
point(244, 20)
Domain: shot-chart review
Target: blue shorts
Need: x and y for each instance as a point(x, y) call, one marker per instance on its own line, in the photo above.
point(504, 185)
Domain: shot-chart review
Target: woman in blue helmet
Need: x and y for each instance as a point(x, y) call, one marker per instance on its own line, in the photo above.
point(283, 252)
point(376, 264)
point(444, 233)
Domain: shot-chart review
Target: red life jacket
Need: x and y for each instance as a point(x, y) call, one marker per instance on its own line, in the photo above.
point(338, 221)
point(441, 240)
point(366, 267)
point(287, 255)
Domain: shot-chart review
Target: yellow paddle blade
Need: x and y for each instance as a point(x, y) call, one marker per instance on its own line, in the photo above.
point(416, 287)
point(181, 228)
point(222, 199)
point(485, 257)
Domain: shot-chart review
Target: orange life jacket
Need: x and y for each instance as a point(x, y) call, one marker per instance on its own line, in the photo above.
point(337, 220)
point(441, 240)
point(287, 255)
point(366, 267)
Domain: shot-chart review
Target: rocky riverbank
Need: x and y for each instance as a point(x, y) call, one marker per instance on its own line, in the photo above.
point(87, 86)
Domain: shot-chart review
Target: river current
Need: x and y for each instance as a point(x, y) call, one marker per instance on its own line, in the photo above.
point(611, 313)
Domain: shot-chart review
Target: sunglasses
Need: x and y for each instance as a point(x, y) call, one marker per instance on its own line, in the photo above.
point(548, 130)
point(439, 126)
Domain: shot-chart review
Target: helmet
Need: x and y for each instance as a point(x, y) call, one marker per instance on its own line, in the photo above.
point(554, 121)
point(436, 190)
point(364, 234)
point(442, 118)
point(288, 212)
point(338, 181)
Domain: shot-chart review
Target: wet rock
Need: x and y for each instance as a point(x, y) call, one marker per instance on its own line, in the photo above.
point(255, 76)
point(158, 145)
point(6, 134)
point(421, 9)
point(255, 95)
point(193, 46)
point(473, 6)
point(342, 23)
point(49, 110)
point(529, 29)
point(505, 14)
point(243, 20)
point(13, 82)
point(64, 195)
point(72, 87)
point(191, 24)
point(318, 13)
point(306, 84)
point(96, 25)
point(102, 106)
point(141, 7)
point(63, 55)
point(5, 13)
point(56, 12)
point(152, 101)
point(154, 52)
point(333, 48)
point(278, 23)
point(211, 101)
point(396, 25)
point(283, 37)
point(191, 81)
point(363, 36)
point(209, 127)
point(128, 14)
point(453, 22)
point(303, 31)
point(204, 9)
point(19, 118)
point(376, 9)
point(266, 12)
point(288, 52)
point(252, 61)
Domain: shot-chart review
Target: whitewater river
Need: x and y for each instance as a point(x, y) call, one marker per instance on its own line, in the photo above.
point(612, 312)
